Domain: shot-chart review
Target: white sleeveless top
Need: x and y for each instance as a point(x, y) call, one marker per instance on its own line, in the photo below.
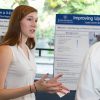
point(21, 71)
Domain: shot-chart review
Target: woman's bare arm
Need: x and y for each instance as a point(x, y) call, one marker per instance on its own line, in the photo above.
point(51, 86)
point(5, 60)
point(6, 94)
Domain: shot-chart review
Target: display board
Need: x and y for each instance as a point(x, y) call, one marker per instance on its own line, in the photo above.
point(4, 20)
point(73, 37)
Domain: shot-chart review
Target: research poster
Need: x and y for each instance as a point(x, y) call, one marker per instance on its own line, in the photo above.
point(4, 20)
point(74, 34)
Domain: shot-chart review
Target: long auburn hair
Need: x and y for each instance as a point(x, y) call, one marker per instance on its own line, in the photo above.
point(13, 34)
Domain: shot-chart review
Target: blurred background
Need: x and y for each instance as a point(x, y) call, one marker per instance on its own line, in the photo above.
point(47, 10)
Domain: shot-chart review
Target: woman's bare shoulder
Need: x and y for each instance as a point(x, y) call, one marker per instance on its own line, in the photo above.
point(5, 49)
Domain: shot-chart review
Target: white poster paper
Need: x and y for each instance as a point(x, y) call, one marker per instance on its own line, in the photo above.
point(74, 35)
point(4, 20)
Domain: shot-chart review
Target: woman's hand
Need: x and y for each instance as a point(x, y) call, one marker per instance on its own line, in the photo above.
point(51, 85)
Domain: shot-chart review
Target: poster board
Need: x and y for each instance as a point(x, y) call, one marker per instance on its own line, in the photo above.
point(73, 37)
point(4, 20)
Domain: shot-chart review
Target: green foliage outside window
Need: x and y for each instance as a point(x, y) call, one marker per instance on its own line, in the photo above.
point(73, 6)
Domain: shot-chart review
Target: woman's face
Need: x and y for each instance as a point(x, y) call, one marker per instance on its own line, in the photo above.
point(28, 25)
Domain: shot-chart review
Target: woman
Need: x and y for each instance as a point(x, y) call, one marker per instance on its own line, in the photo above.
point(17, 66)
